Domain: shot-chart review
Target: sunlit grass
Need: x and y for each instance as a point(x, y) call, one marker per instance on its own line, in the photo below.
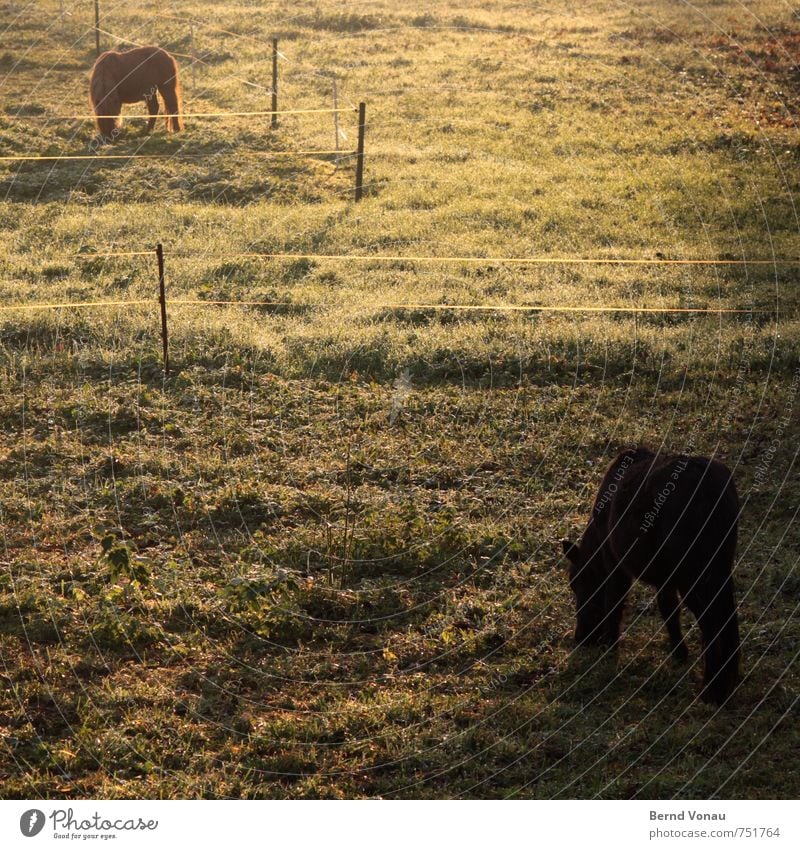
point(320, 558)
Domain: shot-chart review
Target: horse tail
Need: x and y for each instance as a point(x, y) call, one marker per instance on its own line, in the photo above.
point(170, 90)
point(104, 97)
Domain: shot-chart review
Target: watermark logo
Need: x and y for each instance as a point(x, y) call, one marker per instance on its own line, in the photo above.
point(65, 824)
point(31, 822)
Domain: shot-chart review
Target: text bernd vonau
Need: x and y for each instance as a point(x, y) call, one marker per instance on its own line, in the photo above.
point(684, 815)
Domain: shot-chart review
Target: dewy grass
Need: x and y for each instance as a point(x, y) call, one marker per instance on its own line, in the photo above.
point(321, 559)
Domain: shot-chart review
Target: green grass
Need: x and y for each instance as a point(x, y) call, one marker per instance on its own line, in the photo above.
point(321, 557)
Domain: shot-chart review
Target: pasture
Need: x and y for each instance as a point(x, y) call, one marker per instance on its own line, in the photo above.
point(321, 558)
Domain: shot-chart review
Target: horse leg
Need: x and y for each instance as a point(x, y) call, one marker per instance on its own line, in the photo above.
point(617, 586)
point(670, 607)
point(715, 610)
point(171, 93)
point(152, 107)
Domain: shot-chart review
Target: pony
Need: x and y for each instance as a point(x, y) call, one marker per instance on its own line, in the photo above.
point(131, 76)
point(672, 522)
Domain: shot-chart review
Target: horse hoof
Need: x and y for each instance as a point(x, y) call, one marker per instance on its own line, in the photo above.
point(716, 695)
point(712, 698)
point(680, 654)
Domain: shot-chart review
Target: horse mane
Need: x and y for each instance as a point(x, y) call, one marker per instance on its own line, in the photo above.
point(103, 95)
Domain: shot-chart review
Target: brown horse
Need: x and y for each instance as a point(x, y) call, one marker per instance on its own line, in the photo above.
point(138, 74)
point(670, 521)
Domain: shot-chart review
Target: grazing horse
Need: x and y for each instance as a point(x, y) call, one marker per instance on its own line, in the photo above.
point(138, 74)
point(670, 521)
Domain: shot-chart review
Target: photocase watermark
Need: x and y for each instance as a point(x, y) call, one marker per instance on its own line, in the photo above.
point(764, 465)
point(402, 389)
point(661, 499)
point(100, 140)
point(501, 678)
point(66, 826)
point(611, 489)
point(31, 822)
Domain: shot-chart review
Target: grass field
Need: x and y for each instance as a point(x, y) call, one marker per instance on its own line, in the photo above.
point(320, 558)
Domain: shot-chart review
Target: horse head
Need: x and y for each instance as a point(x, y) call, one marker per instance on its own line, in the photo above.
point(587, 584)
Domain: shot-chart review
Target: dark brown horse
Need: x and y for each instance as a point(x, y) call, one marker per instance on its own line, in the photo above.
point(139, 74)
point(670, 521)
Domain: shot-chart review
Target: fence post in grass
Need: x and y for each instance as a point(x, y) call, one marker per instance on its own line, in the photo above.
point(335, 115)
point(97, 26)
point(162, 297)
point(194, 60)
point(362, 112)
point(274, 83)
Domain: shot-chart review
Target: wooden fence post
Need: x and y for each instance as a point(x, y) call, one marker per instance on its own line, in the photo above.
point(194, 60)
point(362, 111)
point(336, 116)
point(162, 297)
point(97, 26)
point(274, 83)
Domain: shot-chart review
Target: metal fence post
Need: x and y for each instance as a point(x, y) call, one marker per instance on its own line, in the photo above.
point(362, 111)
point(162, 297)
